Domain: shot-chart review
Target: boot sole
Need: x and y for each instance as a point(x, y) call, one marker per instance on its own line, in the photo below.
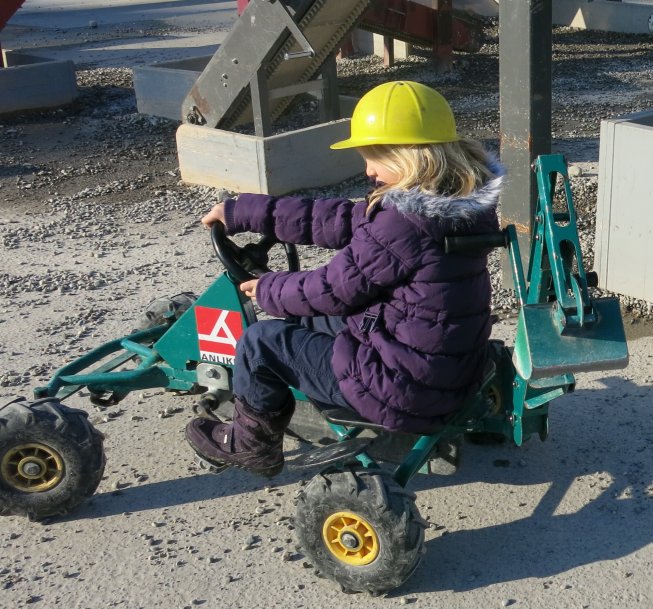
point(217, 467)
point(213, 467)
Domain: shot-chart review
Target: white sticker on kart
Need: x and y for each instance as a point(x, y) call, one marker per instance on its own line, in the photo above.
point(218, 332)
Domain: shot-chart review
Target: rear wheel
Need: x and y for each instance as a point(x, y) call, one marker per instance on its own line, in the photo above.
point(51, 458)
point(360, 528)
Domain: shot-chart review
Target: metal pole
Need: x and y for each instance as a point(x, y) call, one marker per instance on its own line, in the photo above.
point(261, 103)
point(330, 102)
point(525, 51)
point(443, 43)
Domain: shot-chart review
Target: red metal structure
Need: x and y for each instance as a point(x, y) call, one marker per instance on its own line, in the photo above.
point(7, 10)
point(438, 26)
point(416, 23)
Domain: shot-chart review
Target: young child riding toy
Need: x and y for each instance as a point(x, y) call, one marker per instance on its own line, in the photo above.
point(391, 326)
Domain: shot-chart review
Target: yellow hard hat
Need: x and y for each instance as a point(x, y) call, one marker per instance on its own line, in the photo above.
point(401, 112)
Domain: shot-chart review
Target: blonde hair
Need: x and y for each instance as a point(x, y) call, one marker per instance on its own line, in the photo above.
point(453, 169)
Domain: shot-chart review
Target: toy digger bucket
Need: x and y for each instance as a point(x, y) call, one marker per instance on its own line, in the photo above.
point(573, 333)
point(542, 350)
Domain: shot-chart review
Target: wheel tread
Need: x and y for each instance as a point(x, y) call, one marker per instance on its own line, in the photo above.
point(68, 432)
point(393, 512)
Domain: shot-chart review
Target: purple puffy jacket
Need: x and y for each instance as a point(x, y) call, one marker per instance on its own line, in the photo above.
point(418, 320)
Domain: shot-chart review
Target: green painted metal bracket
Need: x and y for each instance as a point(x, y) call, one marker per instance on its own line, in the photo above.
point(181, 344)
point(560, 328)
point(66, 391)
point(70, 375)
point(92, 371)
point(556, 237)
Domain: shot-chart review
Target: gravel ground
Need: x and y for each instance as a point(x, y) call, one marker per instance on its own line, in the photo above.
point(95, 223)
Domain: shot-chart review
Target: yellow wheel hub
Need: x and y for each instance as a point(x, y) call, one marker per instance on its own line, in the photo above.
point(351, 538)
point(494, 394)
point(32, 468)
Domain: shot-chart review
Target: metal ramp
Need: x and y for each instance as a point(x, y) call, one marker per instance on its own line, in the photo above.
point(273, 52)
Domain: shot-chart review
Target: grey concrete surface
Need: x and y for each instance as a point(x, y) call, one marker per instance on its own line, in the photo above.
point(119, 34)
point(561, 524)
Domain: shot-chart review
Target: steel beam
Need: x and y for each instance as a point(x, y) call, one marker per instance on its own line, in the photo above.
point(290, 40)
point(525, 50)
point(443, 41)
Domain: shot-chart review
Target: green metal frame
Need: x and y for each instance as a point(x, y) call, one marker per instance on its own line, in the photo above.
point(168, 353)
point(560, 330)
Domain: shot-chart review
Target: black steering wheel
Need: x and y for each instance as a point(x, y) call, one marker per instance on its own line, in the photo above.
point(250, 261)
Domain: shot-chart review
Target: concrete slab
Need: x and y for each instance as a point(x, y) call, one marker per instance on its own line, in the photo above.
point(161, 88)
point(630, 17)
point(77, 13)
point(29, 82)
point(124, 33)
point(624, 227)
point(270, 165)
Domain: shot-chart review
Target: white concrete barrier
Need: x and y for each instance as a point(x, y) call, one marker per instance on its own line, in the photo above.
point(624, 226)
point(607, 15)
point(270, 165)
point(28, 82)
point(629, 16)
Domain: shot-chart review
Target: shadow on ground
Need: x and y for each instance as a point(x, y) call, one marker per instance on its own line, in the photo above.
point(599, 450)
point(601, 438)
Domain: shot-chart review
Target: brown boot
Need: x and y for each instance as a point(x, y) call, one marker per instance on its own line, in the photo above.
point(253, 440)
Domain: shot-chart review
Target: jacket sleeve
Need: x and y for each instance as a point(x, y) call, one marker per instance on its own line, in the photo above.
point(357, 276)
point(323, 222)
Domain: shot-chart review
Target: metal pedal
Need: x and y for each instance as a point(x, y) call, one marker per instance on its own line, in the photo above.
point(332, 453)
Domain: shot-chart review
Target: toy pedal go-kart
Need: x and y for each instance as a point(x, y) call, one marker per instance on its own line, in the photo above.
point(355, 520)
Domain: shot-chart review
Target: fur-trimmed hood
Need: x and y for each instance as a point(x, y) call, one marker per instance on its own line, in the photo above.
point(454, 211)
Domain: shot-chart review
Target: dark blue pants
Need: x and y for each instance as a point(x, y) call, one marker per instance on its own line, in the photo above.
point(273, 354)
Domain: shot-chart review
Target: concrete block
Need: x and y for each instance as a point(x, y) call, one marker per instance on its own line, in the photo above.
point(161, 88)
point(240, 162)
point(402, 49)
point(606, 15)
point(624, 225)
point(271, 165)
point(28, 82)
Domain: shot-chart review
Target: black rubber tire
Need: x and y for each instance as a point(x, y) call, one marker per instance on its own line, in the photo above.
point(67, 439)
point(384, 505)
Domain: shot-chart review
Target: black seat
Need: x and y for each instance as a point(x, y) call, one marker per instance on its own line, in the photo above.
point(348, 418)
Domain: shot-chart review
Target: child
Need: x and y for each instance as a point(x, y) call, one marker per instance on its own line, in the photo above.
point(391, 326)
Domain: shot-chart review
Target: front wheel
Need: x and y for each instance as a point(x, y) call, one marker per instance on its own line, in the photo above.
point(51, 458)
point(360, 528)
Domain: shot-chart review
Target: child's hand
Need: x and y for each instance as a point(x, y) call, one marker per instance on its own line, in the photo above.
point(249, 288)
point(215, 215)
